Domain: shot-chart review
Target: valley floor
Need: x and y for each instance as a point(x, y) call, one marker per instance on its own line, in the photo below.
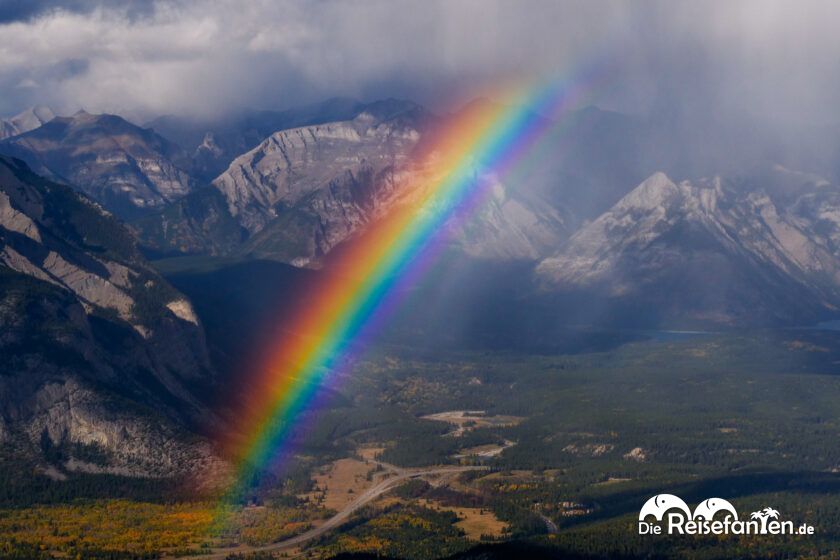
point(421, 455)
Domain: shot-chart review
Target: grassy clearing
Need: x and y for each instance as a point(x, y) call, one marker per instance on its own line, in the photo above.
point(340, 482)
point(476, 523)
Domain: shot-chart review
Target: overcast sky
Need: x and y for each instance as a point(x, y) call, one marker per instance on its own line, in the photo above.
point(144, 58)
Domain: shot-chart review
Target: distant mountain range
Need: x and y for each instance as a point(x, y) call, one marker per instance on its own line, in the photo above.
point(293, 185)
point(302, 191)
point(625, 222)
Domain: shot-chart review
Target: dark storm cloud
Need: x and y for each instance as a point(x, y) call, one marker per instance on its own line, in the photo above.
point(22, 10)
point(26, 10)
point(776, 59)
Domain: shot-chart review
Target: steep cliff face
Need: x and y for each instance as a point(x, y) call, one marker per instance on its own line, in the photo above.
point(292, 164)
point(125, 168)
point(98, 351)
point(213, 144)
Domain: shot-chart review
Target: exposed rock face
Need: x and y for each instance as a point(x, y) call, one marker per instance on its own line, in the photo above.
point(710, 250)
point(89, 287)
point(126, 168)
point(292, 164)
point(29, 119)
point(511, 226)
point(303, 191)
point(299, 192)
point(97, 350)
point(183, 310)
point(16, 221)
point(69, 410)
point(214, 145)
point(309, 230)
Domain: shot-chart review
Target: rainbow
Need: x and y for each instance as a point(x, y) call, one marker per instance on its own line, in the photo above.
point(483, 140)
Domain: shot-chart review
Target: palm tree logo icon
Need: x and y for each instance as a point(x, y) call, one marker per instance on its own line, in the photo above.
point(763, 516)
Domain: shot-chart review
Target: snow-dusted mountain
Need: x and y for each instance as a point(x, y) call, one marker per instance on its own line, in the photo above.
point(27, 120)
point(126, 168)
point(709, 251)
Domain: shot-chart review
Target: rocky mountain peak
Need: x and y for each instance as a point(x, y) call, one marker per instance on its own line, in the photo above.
point(392, 109)
point(303, 190)
point(295, 163)
point(126, 168)
point(658, 197)
point(664, 236)
point(209, 145)
point(32, 118)
point(653, 192)
point(27, 120)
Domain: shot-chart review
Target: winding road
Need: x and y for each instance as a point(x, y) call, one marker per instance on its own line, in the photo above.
point(394, 476)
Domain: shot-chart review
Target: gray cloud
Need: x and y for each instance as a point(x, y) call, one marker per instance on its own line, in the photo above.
point(26, 10)
point(775, 59)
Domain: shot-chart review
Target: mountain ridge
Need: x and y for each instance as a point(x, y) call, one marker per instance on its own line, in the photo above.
point(677, 241)
point(26, 120)
point(99, 352)
point(303, 191)
point(126, 168)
